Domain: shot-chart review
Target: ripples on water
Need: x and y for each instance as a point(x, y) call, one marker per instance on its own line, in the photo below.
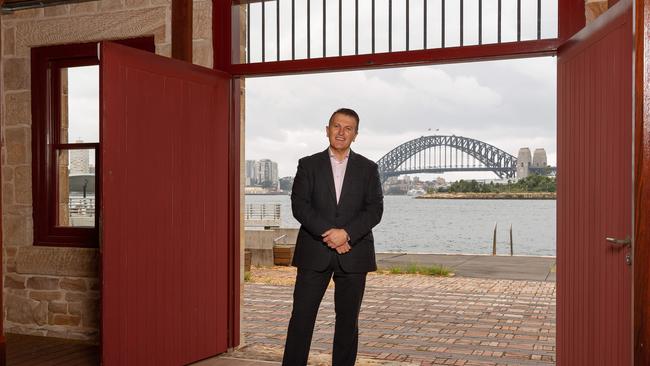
point(454, 226)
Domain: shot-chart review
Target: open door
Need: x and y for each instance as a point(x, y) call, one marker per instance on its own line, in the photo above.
point(594, 274)
point(165, 209)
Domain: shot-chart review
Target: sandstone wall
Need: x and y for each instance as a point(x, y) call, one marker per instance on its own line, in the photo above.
point(55, 291)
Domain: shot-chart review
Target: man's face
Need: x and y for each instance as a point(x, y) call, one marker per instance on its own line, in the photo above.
point(342, 130)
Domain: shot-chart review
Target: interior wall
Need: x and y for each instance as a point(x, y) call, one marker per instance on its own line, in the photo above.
point(55, 291)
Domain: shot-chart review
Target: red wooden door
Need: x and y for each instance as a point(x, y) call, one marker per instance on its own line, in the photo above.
point(164, 233)
point(594, 322)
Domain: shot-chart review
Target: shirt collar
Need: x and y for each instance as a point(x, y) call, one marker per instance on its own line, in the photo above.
point(332, 156)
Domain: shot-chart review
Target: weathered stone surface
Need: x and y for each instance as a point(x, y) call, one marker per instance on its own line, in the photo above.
point(18, 108)
point(7, 194)
point(164, 49)
point(25, 14)
point(73, 284)
point(14, 281)
point(10, 252)
point(83, 8)
point(18, 145)
point(15, 230)
point(136, 3)
point(23, 185)
point(93, 284)
point(16, 74)
point(74, 262)
point(25, 311)
point(76, 296)
point(105, 5)
point(7, 174)
point(55, 11)
point(9, 42)
point(85, 28)
point(202, 53)
point(74, 308)
point(43, 283)
point(45, 295)
point(58, 307)
point(594, 8)
point(90, 314)
point(60, 319)
point(202, 20)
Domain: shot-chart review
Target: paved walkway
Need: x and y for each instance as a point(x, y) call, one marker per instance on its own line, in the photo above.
point(411, 320)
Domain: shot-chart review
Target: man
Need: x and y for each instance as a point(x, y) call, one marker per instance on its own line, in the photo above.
point(337, 199)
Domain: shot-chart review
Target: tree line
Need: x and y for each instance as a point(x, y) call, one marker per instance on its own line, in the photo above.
point(532, 183)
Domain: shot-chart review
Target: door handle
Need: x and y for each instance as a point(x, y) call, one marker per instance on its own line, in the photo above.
point(619, 242)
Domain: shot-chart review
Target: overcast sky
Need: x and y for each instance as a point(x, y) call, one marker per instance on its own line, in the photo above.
point(509, 104)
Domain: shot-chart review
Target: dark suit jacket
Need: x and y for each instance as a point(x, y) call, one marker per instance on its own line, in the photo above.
point(360, 207)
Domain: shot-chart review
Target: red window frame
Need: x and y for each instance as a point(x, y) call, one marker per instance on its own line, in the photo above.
point(46, 62)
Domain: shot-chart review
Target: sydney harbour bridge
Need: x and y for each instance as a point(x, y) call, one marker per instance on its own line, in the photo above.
point(440, 154)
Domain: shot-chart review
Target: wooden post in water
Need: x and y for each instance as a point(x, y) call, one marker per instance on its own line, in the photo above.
point(494, 240)
point(511, 240)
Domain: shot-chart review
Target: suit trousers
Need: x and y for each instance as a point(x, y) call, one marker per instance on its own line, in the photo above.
point(307, 295)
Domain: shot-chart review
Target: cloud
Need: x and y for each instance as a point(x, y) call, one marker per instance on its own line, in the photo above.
point(509, 104)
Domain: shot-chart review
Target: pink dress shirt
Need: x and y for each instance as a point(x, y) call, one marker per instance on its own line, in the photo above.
point(338, 171)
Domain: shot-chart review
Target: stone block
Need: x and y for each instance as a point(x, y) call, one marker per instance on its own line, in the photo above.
point(74, 308)
point(18, 108)
point(76, 296)
point(83, 8)
point(14, 230)
point(58, 307)
point(73, 284)
point(10, 252)
point(7, 195)
point(43, 283)
point(90, 314)
point(23, 185)
point(7, 174)
point(16, 74)
point(73, 262)
point(110, 5)
point(18, 142)
point(56, 11)
point(25, 14)
point(15, 281)
point(93, 284)
point(164, 49)
point(45, 295)
point(202, 53)
point(9, 42)
point(202, 20)
point(70, 320)
point(25, 311)
point(130, 4)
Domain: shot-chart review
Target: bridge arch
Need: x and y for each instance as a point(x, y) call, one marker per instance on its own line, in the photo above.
point(490, 157)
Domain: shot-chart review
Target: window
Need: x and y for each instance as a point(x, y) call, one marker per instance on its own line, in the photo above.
point(66, 142)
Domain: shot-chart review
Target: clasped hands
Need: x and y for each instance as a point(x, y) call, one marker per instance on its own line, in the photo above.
point(337, 239)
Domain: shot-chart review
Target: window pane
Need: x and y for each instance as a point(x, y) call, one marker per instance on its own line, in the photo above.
point(80, 104)
point(76, 184)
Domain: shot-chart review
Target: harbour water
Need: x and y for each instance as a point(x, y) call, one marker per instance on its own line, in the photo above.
point(454, 226)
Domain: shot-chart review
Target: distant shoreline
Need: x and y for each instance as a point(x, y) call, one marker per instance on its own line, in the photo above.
point(491, 196)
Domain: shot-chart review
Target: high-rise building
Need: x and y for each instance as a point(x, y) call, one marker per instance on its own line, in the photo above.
point(251, 176)
point(79, 161)
point(262, 172)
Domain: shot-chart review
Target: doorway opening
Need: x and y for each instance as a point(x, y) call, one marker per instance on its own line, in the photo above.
point(497, 308)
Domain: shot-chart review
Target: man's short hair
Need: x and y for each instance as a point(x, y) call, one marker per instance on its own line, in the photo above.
point(347, 112)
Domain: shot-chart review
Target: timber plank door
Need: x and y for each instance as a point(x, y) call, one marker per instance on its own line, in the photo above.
point(594, 288)
point(164, 217)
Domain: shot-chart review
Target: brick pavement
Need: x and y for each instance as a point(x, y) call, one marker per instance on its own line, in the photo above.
point(414, 320)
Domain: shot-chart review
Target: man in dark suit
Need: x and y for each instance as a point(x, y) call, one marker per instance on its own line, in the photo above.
point(337, 199)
